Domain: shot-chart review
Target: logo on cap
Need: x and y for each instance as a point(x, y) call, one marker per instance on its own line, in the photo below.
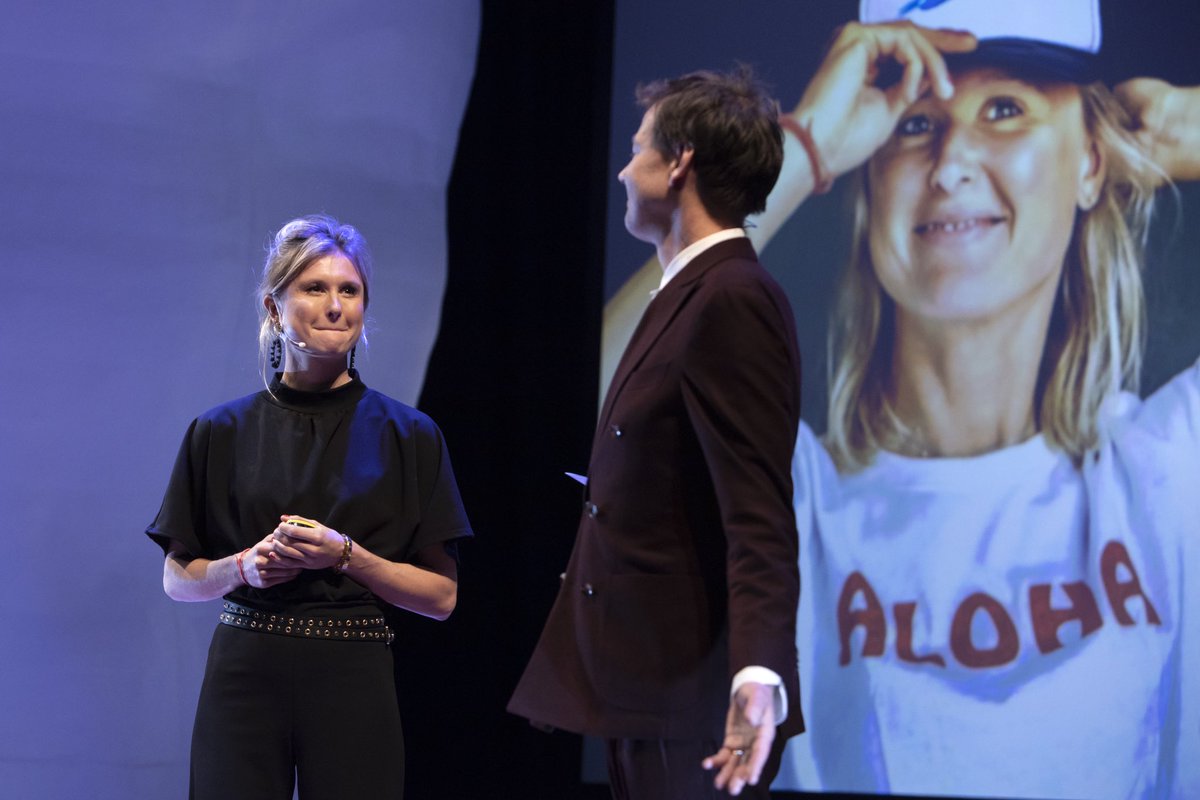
point(920, 5)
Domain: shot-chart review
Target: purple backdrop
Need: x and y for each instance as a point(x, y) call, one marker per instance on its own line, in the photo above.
point(147, 151)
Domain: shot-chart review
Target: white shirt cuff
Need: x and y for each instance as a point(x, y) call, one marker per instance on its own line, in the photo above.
point(767, 677)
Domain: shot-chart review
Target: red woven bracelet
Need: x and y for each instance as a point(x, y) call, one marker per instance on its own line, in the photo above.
point(238, 560)
point(822, 179)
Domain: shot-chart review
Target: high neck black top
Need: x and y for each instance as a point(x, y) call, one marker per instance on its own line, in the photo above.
point(351, 458)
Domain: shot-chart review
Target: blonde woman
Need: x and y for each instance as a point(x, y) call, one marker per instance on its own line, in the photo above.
point(310, 507)
point(996, 532)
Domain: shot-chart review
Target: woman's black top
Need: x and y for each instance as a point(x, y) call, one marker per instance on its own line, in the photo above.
point(351, 458)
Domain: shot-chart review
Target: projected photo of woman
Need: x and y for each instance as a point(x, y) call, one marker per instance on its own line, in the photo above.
point(312, 507)
point(997, 533)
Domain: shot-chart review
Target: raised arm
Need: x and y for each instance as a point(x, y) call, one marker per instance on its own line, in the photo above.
point(846, 115)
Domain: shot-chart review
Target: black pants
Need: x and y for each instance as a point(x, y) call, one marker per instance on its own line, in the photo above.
point(657, 769)
point(275, 710)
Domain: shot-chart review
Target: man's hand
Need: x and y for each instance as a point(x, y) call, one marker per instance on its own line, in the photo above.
point(749, 733)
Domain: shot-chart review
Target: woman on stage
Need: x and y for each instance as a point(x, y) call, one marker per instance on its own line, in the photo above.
point(309, 507)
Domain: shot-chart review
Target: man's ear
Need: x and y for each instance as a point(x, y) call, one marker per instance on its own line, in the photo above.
point(681, 166)
point(1093, 167)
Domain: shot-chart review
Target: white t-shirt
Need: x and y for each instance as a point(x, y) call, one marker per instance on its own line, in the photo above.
point(1006, 625)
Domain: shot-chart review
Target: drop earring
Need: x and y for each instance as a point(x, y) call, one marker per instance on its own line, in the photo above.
point(275, 354)
point(350, 369)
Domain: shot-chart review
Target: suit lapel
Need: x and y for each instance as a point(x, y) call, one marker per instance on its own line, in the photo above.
point(664, 308)
point(658, 315)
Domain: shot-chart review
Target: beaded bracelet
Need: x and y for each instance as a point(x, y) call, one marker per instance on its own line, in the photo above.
point(238, 560)
point(344, 561)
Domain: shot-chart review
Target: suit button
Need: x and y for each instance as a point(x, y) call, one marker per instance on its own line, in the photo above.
point(616, 431)
point(592, 509)
point(588, 590)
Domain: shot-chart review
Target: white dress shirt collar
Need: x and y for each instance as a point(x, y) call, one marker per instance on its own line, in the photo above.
point(689, 253)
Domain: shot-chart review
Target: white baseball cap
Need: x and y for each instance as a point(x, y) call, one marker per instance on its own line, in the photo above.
point(1057, 39)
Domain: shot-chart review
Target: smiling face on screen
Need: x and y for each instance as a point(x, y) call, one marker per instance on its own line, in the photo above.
point(973, 199)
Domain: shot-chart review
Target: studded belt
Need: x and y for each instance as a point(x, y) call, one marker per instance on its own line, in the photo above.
point(326, 626)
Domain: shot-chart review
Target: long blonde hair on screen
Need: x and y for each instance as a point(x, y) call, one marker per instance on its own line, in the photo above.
point(1097, 327)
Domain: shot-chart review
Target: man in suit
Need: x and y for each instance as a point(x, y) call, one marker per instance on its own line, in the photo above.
point(673, 634)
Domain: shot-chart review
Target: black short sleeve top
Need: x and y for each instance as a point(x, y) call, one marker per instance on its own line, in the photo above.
point(351, 458)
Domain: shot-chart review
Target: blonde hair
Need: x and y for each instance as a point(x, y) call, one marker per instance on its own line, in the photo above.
point(1094, 343)
point(296, 245)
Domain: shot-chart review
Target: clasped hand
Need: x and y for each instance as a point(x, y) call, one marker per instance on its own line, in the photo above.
point(303, 547)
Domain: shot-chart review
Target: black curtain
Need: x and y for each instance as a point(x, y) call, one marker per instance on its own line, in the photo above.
point(513, 382)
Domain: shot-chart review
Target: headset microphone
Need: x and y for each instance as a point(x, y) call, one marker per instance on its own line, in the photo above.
point(284, 333)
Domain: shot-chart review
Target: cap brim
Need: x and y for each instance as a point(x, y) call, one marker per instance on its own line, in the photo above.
point(1031, 60)
point(1023, 58)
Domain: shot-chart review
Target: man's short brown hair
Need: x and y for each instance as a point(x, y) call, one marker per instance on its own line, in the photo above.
point(732, 126)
